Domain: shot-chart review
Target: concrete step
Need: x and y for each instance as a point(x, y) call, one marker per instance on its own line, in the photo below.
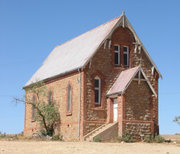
point(99, 131)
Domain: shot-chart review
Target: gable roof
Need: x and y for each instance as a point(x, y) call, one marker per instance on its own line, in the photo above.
point(76, 53)
point(124, 80)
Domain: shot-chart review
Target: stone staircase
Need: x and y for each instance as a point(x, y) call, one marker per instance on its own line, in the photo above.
point(104, 132)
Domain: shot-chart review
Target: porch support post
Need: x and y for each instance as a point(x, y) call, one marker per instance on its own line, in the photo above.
point(109, 110)
point(121, 114)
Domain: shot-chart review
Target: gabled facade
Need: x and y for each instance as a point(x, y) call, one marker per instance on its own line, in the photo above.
point(112, 79)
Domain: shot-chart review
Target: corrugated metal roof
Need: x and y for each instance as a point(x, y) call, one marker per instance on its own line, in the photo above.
point(123, 81)
point(73, 54)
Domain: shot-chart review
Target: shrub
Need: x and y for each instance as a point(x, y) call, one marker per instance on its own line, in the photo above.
point(43, 133)
point(119, 139)
point(57, 137)
point(159, 139)
point(126, 137)
point(3, 135)
point(97, 139)
point(148, 138)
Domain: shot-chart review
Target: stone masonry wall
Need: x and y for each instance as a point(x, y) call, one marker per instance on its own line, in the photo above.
point(138, 129)
point(102, 65)
point(138, 109)
point(138, 101)
point(153, 78)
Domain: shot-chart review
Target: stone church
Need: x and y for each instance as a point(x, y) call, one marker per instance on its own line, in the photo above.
point(104, 83)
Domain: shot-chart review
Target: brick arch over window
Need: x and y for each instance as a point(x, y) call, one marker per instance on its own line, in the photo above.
point(123, 35)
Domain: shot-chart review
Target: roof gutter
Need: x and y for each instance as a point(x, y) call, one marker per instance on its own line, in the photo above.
point(50, 78)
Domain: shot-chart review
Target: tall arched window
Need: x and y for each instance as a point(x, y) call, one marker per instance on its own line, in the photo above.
point(69, 98)
point(126, 56)
point(97, 91)
point(116, 55)
point(50, 97)
point(33, 108)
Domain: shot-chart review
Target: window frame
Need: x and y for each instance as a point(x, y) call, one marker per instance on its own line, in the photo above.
point(99, 91)
point(33, 108)
point(50, 97)
point(69, 95)
point(119, 54)
point(127, 53)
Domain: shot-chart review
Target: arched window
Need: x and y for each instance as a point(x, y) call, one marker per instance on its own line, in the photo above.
point(50, 97)
point(69, 98)
point(33, 108)
point(97, 91)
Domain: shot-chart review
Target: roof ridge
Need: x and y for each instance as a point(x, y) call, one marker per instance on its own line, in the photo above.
point(89, 31)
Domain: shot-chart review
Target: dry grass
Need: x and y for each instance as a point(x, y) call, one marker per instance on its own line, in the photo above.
point(38, 147)
point(17, 144)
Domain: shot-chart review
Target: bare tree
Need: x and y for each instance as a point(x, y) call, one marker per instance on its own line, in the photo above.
point(44, 110)
point(177, 120)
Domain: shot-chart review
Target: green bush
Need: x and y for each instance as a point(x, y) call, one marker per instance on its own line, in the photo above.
point(148, 138)
point(97, 139)
point(126, 137)
point(159, 139)
point(119, 139)
point(3, 135)
point(43, 133)
point(57, 137)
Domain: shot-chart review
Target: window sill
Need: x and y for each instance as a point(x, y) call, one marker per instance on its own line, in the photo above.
point(69, 114)
point(98, 108)
point(120, 67)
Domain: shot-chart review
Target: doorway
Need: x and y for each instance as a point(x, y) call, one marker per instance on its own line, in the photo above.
point(115, 110)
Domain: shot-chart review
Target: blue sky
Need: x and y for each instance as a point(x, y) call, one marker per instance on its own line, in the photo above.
point(29, 30)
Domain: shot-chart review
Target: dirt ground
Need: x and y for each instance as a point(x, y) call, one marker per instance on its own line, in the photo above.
point(39, 147)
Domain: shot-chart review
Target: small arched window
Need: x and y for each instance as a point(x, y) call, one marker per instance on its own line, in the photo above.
point(69, 98)
point(33, 108)
point(50, 99)
point(97, 91)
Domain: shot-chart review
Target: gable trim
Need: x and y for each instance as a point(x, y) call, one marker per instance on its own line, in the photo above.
point(146, 79)
point(123, 21)
point(141, 44)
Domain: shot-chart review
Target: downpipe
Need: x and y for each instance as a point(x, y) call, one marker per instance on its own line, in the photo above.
point(79, 113)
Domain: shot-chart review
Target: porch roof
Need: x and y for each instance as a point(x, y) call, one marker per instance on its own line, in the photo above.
point(124, 80)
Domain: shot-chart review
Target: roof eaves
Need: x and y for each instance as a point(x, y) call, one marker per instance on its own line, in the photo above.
point(151, 87)
point(50, 78)
point(112, 94)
